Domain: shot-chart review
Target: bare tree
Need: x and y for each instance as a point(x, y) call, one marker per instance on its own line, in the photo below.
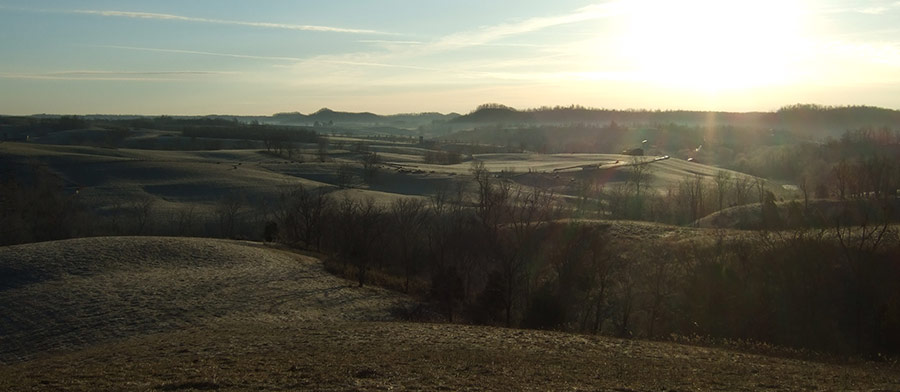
point(640, 175)
point(615, 200)
point(723, 181)
point(692, 189)
point(439, 199)
point(371, 165)
point(804, 186)
point(344, 175)
point(742, 187)
point(359, 230)
point(409, 217)
point(185, 221)
point(303, 214)
point(141, 211)
point(660, 285)
point(604, 265)
point(760, 185)
point(492, 199)
point(322, 149)
point(842, 175)
point(859, 244)
point(227, 212)
point(518, 242)
point(877, 174)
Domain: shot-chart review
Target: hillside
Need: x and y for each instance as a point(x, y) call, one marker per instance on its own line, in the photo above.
point(132, 313)
point(68, 295)
point(800, 117)
point(332, 117)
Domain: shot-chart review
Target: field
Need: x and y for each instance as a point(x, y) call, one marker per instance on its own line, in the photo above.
point(175, 180)
point(142, 302)
point(133, 313)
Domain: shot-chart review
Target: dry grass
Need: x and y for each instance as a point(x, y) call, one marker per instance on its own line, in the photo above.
point(166, 314)
point(68, 295)
point(181, 179)
point(271, 355)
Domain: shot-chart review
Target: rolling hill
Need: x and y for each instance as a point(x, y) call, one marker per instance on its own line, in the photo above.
point(133, 313)
point(72, 294)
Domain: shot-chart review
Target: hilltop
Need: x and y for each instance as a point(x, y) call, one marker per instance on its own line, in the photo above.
point(69, 295)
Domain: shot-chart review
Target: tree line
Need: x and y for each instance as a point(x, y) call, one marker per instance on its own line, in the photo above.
point(490, 252)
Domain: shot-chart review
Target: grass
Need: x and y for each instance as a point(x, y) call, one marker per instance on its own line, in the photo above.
point(236, 356)
point(179, 179)
point(171, 314)
point(73, 294)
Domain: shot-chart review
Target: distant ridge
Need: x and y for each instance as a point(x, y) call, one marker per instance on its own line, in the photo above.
point(495, 113)
point(326, 115)
point(808, 119)
point(808, 116)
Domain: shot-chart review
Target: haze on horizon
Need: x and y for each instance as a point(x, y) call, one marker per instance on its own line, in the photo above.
point(235, 57)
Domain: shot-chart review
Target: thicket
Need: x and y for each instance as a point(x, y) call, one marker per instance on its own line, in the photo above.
point(863, 165)
point(492, 253)
point(39, 208)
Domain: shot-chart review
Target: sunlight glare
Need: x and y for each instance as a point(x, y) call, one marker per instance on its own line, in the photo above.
point(709, 45)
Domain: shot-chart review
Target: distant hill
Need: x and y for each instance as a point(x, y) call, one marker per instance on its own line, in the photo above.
point(328, 116)
point(804, 118)
point(807, 121)
point(495, 113)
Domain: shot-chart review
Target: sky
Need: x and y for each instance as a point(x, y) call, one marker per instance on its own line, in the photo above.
point(401, 56)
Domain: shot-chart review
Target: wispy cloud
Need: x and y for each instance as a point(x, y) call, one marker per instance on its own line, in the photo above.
point(389, 42)
point(868, 8)
point(380, 65)
point(283, 26)
point(192, 19)
point(491, 34)
point(201, 53)
point(417, 56)
point(323, 60)
point(112, 75)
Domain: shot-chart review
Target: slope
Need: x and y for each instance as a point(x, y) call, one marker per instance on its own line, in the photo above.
point(72, 294)
point(135, 313)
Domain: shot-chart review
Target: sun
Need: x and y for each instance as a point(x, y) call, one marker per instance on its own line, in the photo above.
point(710, 45)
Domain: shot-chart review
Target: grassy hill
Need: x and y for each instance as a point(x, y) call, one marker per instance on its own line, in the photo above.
point(67, 295)
point(133, 313)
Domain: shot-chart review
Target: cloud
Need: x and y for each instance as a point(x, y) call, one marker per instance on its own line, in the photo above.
point(380, 65)
point(389, 42)
point(202, 53)
point(350, 68)
point(191, 19)
point(111, 75)
point(282, 26)
point(490, 34)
